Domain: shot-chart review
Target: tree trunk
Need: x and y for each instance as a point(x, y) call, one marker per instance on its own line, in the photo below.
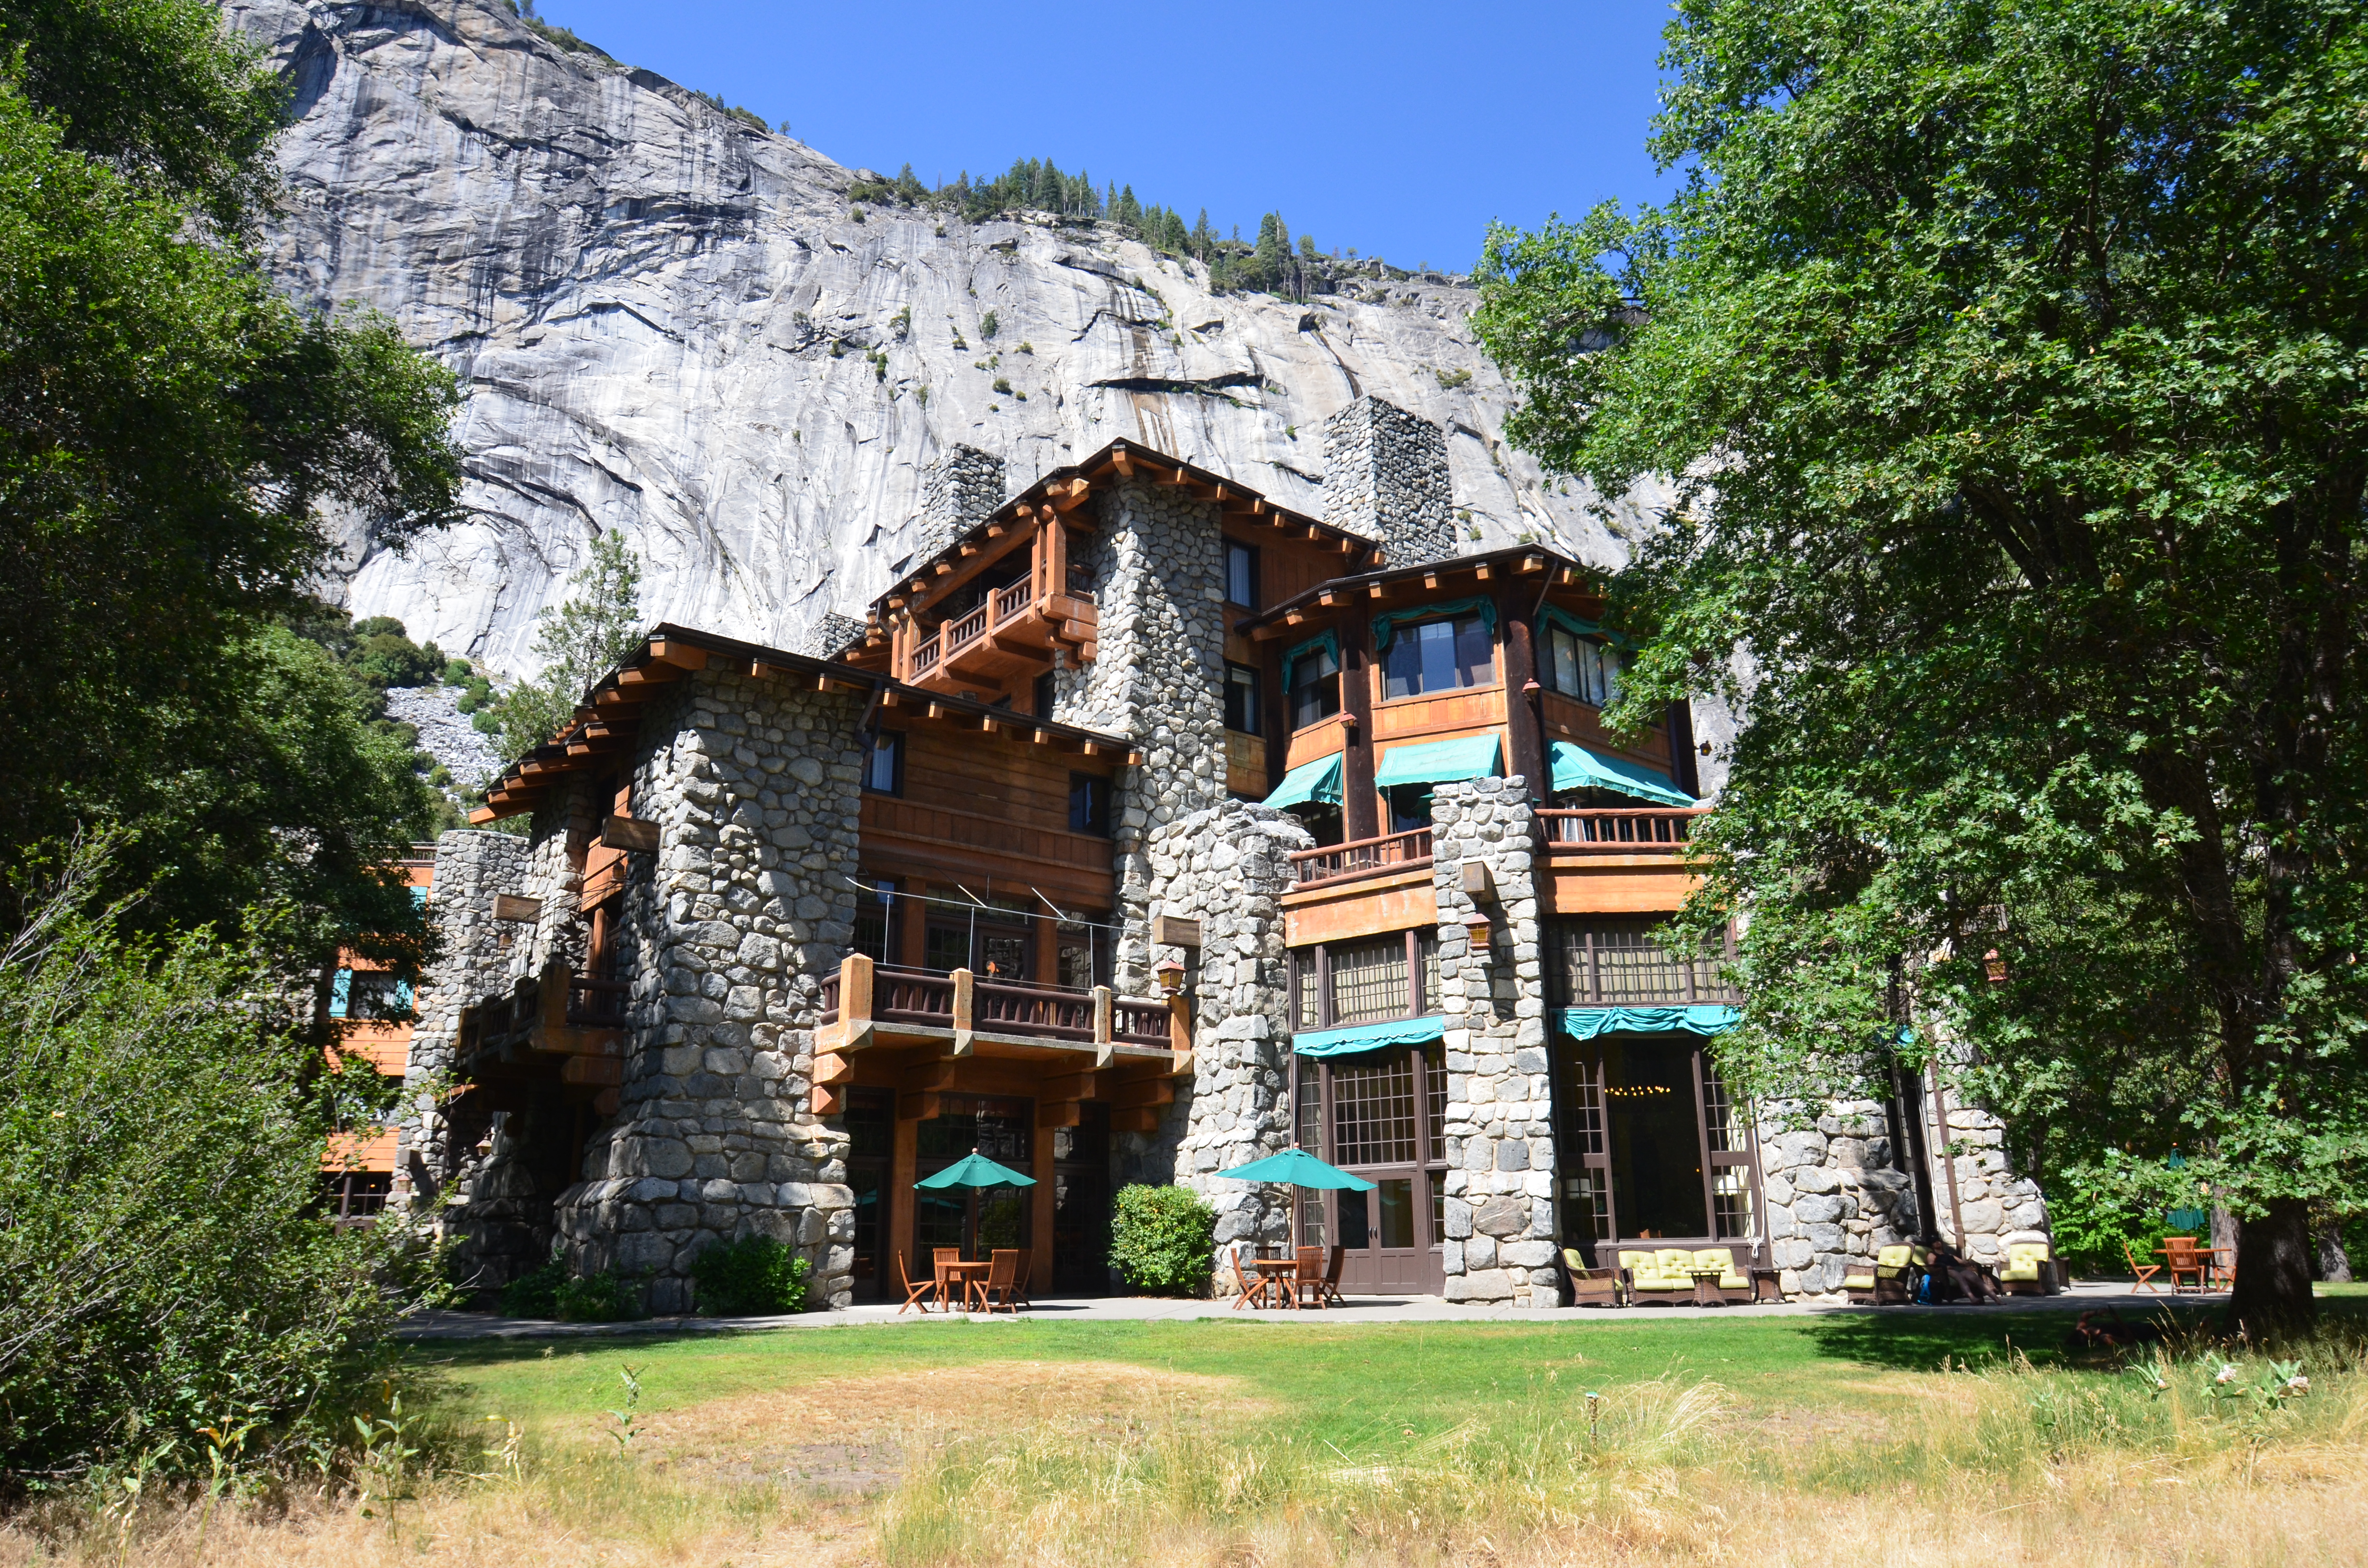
point(2334, 1263)
point(2272, 1293)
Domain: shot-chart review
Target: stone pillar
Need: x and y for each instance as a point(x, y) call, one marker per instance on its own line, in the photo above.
point(755, 785)
point(478, 956)
point(959, 491)
point(1836, 1192)
point(1385, 477)
point(1499, 1121)
point(1228, 868)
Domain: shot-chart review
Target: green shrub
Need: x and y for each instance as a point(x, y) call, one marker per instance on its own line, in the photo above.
point(753, 1276)
point(596, 1298)
point(458, 672)
point(1163, 1239)
point(988, 326)
point(535, 1295)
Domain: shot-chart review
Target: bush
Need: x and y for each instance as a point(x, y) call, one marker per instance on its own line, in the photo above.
point(535, 1295)
point(755, 1276)
point(1163, 1239)
point(161, 1121)
point(596, 1298)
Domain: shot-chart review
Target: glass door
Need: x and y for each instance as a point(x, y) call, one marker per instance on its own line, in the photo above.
point(871, 1130)
point(1650, 1148)
point(977, 1222)
point(1381, 1118)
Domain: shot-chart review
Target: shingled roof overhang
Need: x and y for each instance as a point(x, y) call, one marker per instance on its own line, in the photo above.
point(1516, 561)
point(1065, 489)
point(608, 720)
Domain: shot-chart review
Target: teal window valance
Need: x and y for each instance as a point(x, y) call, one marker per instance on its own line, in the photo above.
point(1318, 781)
point(1437, 762)
point(1385, 625)
point(1576, 767)
point(1698, 1017)
point(1579, 625)
point(1329, 641)
point(1368, 1037)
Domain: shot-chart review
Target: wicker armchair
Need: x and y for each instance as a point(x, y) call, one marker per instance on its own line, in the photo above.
point(1591, 1286)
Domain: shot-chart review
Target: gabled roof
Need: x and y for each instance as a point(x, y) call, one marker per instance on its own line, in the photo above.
point(608, 720)
point(1065, 489)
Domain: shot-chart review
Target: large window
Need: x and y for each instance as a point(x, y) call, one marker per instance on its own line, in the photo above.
point(1397, 976)
point(1584, 667)
point(1650, 1146)
point(1613, 964)
point(1241, 573)
point(875, 931)
point(1314, 681)
point(1242, 700)
point(1438, 656)
point(1385, 1115)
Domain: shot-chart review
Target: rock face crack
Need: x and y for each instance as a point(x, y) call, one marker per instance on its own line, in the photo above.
point(1208, 386)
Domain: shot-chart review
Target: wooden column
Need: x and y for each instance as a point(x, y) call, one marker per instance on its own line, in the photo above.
point(1274, 716)
point(903, 1157)
point(912, 924)
point(1525, 736)
point(1048, 951)
point(1359, 807)
point(1040, 1222)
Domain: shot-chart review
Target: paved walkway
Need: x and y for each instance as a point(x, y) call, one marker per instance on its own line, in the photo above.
point(1360, 1309)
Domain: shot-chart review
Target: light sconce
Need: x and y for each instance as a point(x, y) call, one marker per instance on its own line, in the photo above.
point(1476, 927)
point(1171, 976)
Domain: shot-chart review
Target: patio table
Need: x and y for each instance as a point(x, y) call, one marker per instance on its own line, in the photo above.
point(1706, 1292)
point(961, 1277)
point(1275, 1275)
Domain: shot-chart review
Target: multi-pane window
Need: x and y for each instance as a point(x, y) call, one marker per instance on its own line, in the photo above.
point(1438, 656)
point(883, 761)
point(1372, 1112)
point(1582, 667)
point(1241, 573)
point(1620, 962)
point(1242, 699)
point(1314, 682)
point(1369, 980)
point(1652, 1145)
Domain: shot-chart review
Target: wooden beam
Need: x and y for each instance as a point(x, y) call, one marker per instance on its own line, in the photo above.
point(681, 656)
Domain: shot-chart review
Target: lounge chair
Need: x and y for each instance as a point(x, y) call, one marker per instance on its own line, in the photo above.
point(1591, 1286)
point(1893, 1280)
point(2141, 1274)
point(1002, 1283)
point(2028, 1270)
point(915, 1295)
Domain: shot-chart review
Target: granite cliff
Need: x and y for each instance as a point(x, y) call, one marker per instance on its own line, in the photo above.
point(670, 321)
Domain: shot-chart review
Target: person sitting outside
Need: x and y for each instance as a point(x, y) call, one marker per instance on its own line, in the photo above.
point(1957, 1278)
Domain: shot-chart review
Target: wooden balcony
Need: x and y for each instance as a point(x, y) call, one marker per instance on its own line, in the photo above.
point(1405, 851)
point(929, 1033)
point(556, 1026)
point(1010, 637)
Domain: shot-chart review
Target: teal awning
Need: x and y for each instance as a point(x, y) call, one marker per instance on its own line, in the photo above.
point(1297, 1167)
point(1696, 1017)
point(1385, 626)
point(1435, 762)
point(1327, 641)
point(1576, 767)
point(1318, 780)
point(1367, 1037)
point(975, 1169)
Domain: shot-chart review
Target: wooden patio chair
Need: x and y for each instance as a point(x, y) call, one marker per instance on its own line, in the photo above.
point(938, 1258)
point(1001, 1286)
point(1332, 1277)
point(1253, 1291)
point(2184, 1262)
point(2142, 1273)
point(915, 1295)
point(1308, 1278)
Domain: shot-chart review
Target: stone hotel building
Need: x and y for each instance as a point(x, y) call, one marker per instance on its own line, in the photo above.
point(1144, 828)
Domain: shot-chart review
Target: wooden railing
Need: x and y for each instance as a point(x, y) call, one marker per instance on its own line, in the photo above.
point(968, 629)
point(863, 993)
point(1364, 858)
point(925, 655)
point(1010, 601)
point(597, 1004)
point(1620, 832)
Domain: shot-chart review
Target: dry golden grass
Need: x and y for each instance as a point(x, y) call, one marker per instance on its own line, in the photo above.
point(1098, 1465)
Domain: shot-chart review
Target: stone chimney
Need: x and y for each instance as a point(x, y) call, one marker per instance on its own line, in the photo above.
point(1385, 477)
point(957, 493)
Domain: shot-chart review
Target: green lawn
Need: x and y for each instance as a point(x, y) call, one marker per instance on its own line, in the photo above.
point(1339, 1383)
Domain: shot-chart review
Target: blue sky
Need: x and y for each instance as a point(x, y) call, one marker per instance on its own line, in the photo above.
point(1394, 127)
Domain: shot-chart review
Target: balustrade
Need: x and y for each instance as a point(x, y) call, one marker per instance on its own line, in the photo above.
point(1621, 831)
point(1363, 856)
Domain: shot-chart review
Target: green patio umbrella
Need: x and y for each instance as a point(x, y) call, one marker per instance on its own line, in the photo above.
point(1297, 1167)
point(975, 1169)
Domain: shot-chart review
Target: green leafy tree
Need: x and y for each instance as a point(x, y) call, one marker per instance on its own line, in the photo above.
point(580, 640)
point(2007, 359)
point(173, 432)
point(162, 1118)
